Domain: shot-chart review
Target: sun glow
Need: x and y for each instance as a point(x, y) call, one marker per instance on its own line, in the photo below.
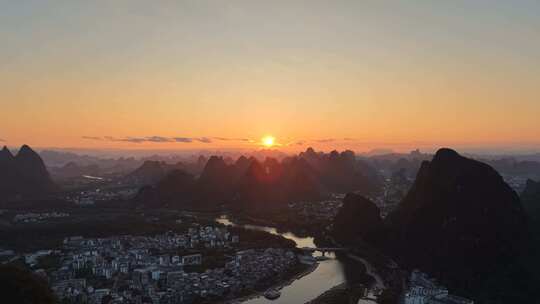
point(268, 141)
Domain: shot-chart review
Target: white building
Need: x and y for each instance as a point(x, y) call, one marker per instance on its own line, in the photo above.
point(193, 259)
point(424, 290)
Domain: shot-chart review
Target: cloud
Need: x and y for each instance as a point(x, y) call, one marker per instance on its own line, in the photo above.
point(223, 138)
point(301, 142)
point(92, 137)
point(156, 139)
point(232, 139)
point(136, 140)
point(326, 140)
point(151, 139)
point(205, 140)
point(183, 139)
point(2, 140)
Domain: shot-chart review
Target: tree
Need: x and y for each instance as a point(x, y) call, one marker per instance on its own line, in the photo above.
point(21, 286)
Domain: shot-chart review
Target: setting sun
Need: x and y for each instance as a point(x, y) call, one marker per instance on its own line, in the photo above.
point(268, 141)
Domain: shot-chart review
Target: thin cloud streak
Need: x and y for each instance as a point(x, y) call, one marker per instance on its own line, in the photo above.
point(183, 139)
point(163, 139)
point(205, 140)
point(326, 140)
point(92, 137)
point(232, 139)
point(209, 140)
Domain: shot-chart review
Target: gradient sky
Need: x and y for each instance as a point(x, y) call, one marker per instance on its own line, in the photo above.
point(222, 74)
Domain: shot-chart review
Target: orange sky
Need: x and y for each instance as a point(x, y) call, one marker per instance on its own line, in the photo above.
point(348, 75)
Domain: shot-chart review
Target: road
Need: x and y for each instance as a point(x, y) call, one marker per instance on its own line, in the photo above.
point(379, 283)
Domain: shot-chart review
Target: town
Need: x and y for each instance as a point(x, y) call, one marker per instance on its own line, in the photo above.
point(32, 217)
point(165, 268)
point(424, 290)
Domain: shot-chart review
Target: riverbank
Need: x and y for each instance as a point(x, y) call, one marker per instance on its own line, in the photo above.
point(342, 293)
point(337, 270)
point(283, 222)
point(286, 282)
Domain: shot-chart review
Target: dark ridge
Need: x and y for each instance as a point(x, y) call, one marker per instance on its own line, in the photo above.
point(444, 154)
point(358, 220)
point(531, 199)
point(458, 220)
point(5, 152)
point(23, 175)
point(21, 286)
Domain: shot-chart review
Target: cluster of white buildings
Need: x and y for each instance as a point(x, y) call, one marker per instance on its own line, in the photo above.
point(143, 263)
point(36, 217)
point(162, 269)
point(424, 290)
point(317, 211)
point(90, 197)
point(137, 276)
point(32, 258)
point(245, 271)
point(391, 195)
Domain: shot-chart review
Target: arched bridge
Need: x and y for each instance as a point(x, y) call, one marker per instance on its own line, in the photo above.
point(323, 250)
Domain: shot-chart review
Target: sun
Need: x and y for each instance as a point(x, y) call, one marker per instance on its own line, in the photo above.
point(268, 141)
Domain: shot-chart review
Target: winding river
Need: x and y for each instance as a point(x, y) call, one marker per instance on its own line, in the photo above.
point(329, 273)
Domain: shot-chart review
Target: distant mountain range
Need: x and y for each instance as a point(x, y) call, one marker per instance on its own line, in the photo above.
point(73, 170)
point(515, 167)
point(23, 175)
point(258, 186)
point(151, 172)
point(64, 166)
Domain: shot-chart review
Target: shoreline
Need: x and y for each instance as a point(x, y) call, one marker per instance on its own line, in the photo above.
point(277, 286)
point(319, 298)
point(370, 269)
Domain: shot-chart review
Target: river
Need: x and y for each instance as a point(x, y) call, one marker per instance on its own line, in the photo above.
point(328, 274)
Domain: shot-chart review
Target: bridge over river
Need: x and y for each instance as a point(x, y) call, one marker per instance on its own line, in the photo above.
point(324, 250)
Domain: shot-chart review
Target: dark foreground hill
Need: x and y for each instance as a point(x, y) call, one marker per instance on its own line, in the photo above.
point(461, 223)
point(358, 220)
point(23, 175)
point(531, 199)
point(21, 286)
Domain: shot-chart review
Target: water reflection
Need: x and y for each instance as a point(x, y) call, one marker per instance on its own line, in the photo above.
point(328, 274)
point(300, 241)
